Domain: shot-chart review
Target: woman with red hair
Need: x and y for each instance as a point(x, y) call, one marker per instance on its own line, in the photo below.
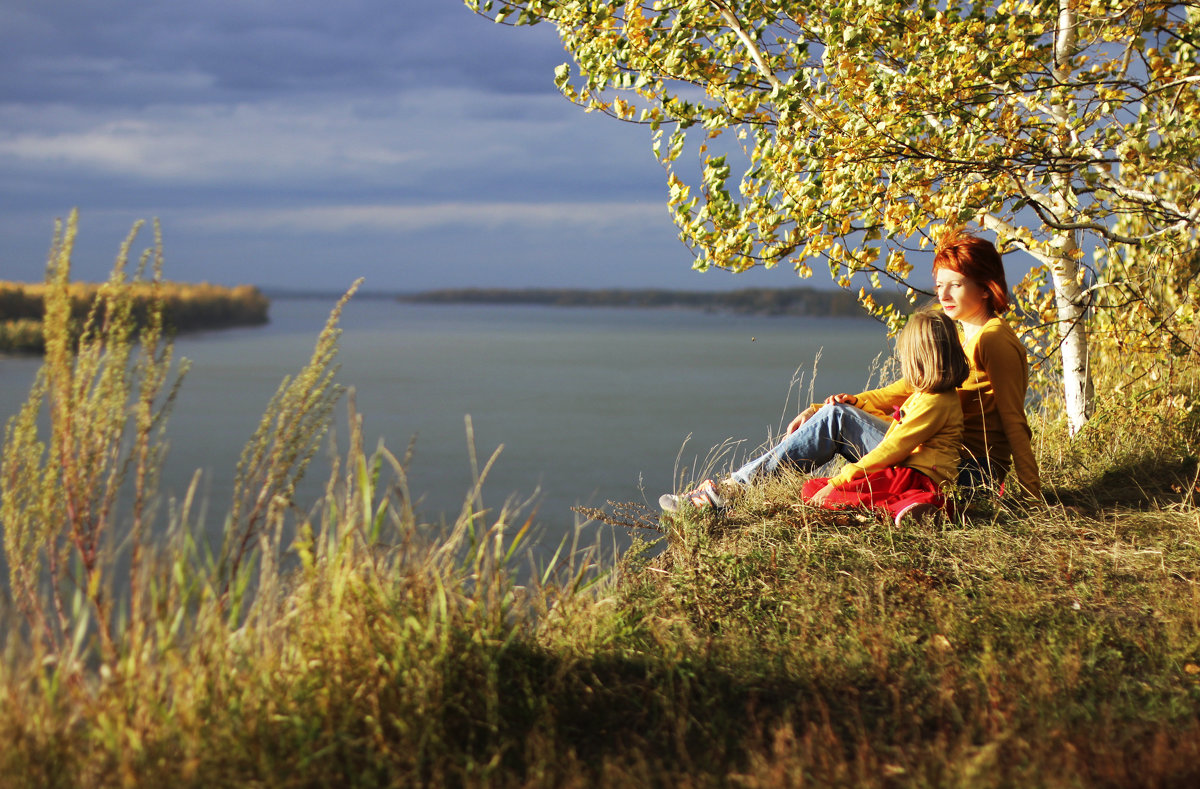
point(972, 290)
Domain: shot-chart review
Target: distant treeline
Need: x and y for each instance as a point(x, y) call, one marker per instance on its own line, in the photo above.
point(186, 308)
point(758, 301)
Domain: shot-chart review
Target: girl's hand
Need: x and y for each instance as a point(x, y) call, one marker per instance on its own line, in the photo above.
point(819, 497)
point(805, 415)
point(848, 399)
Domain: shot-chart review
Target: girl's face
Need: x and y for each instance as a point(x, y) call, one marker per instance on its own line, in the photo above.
point(962, 298)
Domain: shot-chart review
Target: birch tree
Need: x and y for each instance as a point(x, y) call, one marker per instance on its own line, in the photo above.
point(859, 126)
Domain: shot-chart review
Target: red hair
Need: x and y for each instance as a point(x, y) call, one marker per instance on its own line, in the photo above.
point(977, 260)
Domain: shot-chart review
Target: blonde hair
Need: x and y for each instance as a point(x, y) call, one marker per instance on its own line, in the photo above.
point(931, 356)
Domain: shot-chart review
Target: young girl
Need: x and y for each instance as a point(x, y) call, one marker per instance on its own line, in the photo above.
point(920, 451)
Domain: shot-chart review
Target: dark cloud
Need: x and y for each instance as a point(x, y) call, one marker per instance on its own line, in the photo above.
point(305, 142)
point(135, 52)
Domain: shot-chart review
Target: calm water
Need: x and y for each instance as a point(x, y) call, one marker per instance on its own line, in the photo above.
point(590, 405)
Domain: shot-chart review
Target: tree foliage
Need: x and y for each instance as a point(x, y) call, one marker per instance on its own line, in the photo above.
point(858, 126)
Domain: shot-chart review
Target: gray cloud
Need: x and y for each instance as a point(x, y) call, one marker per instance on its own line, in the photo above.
point(133, 52)
point(302, 142)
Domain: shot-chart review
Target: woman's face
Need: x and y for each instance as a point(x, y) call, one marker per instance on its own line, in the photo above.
point(962, 298)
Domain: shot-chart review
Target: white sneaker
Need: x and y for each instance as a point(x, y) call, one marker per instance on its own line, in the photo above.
point(914, 510)
point(705, 495)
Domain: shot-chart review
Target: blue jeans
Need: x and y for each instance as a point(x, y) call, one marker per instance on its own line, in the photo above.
point(836, 429)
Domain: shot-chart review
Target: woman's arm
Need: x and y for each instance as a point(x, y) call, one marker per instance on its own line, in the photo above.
point(1004, 364)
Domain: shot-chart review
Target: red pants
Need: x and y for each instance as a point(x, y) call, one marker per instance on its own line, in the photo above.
point(890, 490)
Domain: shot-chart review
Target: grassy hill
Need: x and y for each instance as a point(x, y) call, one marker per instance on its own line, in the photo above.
point(344, 642)
point(766, 645)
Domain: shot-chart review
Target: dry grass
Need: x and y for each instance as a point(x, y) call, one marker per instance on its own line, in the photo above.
point(767, 645)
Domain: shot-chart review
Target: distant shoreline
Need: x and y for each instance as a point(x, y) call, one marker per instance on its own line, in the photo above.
point(808, 302)
point(186, 308)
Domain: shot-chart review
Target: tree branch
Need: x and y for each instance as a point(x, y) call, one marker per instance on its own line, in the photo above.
point(751, 48)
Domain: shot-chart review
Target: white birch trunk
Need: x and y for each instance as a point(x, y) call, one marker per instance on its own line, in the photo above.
point(1069, 297)
point(1071, 303)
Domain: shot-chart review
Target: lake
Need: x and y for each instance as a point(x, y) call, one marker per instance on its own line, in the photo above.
point(590, 404)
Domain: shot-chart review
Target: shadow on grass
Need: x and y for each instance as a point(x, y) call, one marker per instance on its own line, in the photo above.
point(703, 717)
point(1136, 486)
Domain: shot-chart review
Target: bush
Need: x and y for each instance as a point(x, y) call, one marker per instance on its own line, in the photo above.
point(22, 336)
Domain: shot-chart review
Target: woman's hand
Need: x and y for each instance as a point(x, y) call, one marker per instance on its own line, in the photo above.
point(804, 416)
point(819, 497)
point(848, 399)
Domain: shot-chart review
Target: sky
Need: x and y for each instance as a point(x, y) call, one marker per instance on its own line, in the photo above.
point(303, 144)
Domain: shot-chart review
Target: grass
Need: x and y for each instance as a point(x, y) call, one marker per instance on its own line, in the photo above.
point(344, 642)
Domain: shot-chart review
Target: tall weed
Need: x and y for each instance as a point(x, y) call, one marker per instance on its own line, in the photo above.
point(105, 394)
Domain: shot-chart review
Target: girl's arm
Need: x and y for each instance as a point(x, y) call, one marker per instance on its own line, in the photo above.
point(884, 400)
point(922, 419)
point(843, 398)
point(881, 402)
